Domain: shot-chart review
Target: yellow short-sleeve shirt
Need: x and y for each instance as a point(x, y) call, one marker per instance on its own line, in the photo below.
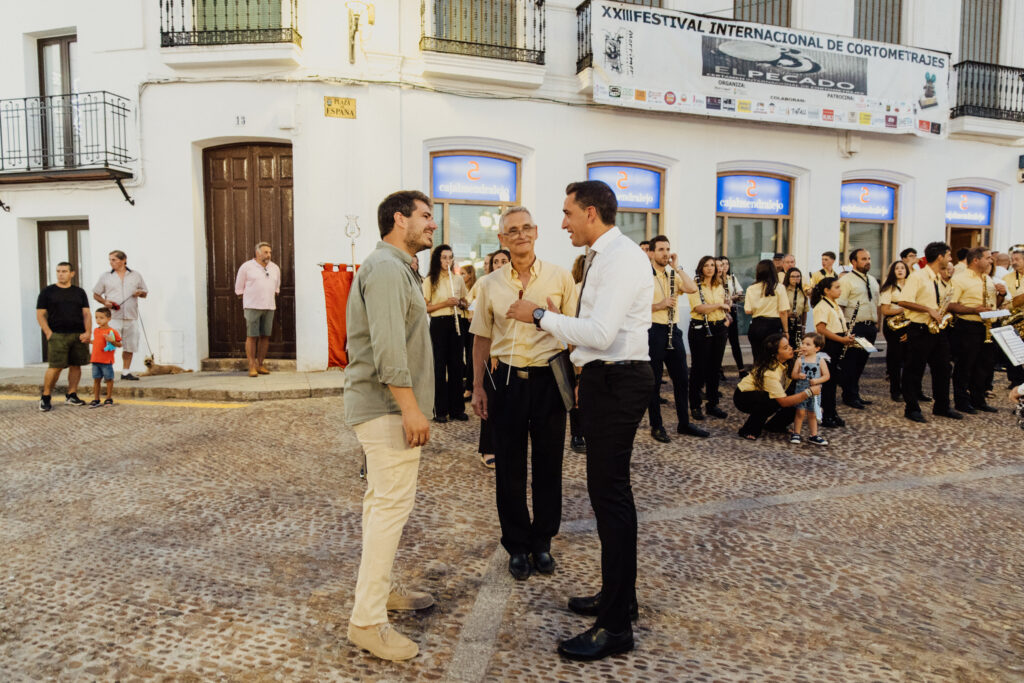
point(758, 305)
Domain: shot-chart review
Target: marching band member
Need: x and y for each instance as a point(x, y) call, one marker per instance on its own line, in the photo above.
point(798, 306)
point(762, 393)
point(859, 293)
point(895, 339)
point(707, 337)
point(830, 323)
point(828, 261)
point(974, 292)
point(767, 304)
point(923, 296)
point(446, 297)
point(1014, 281)
point(735, 294)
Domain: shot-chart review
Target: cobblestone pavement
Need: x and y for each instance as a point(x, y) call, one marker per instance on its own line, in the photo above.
point(163, 542)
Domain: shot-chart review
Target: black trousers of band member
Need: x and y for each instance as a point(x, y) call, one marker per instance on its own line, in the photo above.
point(706, 359)
point(895, 355)
point(485, 445)
point(575, 428)
point(611, 406)
point(972, 362)
point(733, 332)
point(828, 390)
point(760, 329)
point(855, 360)
point(448, 374)
point(925, 348)
point(527, 413)
point(1014, 373)
point(467, 358)
point(674, 360)
point(764, 412)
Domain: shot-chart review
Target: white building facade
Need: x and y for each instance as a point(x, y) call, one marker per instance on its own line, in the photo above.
point(229, 122)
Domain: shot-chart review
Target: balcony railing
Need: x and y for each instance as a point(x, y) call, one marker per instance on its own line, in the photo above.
point(64, 135)
point(228, 22)
point(989, 91)
point(512, 30)
point(584, 48)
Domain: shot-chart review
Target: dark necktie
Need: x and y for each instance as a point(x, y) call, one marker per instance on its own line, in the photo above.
point(583, 283)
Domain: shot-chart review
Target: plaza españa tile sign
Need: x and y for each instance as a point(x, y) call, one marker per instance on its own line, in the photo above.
point(340, 107)
point(665, 60)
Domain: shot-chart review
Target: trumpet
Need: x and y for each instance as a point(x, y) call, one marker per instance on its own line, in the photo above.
point(945, 316)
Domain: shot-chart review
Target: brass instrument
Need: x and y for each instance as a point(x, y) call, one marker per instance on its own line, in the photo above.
point(897, 322)
point(984, 302)
point(849, 328)
point(945, 316)
point(671, 309)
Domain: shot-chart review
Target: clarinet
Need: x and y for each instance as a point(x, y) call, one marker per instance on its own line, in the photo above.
point(671, 309)
point(849, 328)
point(455, 309)
point(700, 293)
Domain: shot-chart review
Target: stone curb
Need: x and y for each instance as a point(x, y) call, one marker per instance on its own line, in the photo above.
point(184, 393)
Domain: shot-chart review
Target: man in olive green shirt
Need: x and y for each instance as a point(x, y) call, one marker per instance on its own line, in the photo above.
point(389, 389)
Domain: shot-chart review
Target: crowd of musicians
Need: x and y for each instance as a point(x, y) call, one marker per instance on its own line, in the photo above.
point(534, 346)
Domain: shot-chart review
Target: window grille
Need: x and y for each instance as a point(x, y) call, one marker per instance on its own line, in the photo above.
point(878, 20)
point(775, 12)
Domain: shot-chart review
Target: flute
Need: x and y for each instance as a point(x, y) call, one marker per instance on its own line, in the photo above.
point(455, 309)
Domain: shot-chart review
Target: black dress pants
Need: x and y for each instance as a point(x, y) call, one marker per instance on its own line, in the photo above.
point(828, 390)
point(733, 332)
point(895, 354)
point(764, 412)
point(675, 360)
point(527, 411)
point(448, 373)
point(855, 360)
point(972, 361)
point(760, 329)
point(467, 358)
point(706, 359)
point(611, 405)
point(925, 348)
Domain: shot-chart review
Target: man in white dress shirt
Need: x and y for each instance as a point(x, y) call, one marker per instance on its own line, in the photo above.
point(120, 290)
point(610, 339)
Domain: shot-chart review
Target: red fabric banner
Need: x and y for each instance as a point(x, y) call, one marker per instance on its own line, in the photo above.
point(337, 284)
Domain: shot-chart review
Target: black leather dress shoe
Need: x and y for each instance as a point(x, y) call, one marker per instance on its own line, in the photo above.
point(986, 408)
point(696, 413)
point(855, 403)
point(967, 409)
point(578, 444)
point(715, 411)
point(950, 413)
point(519, 566)
point(864, 400)
point(840, 422)
point(896, 397)
point(589, 605)
point(663, 401)
point(596, 643)
point(461, 417)
point(690, 430)
point(441, 420)
point(659, 434)
point(833, 422)
point(924, 398)
point(915, 416)
point(543, 562)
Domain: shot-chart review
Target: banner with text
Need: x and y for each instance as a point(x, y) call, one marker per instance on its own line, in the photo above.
point(666, 60)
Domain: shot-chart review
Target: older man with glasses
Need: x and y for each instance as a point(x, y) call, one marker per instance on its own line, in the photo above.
point(258, 281)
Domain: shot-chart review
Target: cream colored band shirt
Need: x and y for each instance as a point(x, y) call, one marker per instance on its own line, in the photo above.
point(969, 289)
point(758, 305)
point(661, 290)
point(828, 312)
point(519, 344)
point(776, 379)
point(1014, 286)
point(446, 288)
point(853, 289)
point(712, 295)
point(817, 276)
point(798, 303)
point(920, 289)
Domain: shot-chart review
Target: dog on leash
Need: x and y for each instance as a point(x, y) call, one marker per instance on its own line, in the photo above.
point(155, 369)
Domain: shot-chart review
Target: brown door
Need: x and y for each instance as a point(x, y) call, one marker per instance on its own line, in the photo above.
point(963, 238)
point(248, 200)
point(61, 241)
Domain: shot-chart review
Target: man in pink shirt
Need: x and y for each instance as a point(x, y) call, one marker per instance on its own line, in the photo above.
point(257, 282)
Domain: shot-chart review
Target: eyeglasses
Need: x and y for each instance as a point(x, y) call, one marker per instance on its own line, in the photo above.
point(526, 230)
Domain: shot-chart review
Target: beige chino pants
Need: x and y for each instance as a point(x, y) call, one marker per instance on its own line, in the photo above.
point(391, 470)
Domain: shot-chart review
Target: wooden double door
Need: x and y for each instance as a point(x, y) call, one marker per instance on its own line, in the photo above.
point(248, 189)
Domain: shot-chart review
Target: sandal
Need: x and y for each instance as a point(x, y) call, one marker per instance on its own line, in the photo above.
point(748, 437)
point(487, 460)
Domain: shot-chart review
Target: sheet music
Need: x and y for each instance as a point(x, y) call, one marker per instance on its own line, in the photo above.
point(1010, 342)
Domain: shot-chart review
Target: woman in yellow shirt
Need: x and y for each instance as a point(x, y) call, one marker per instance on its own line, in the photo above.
point(798, 306)
point(767, 304)
point(895, 340)
point(707, 337)
point(762, 393)
point(830, 322)
point(445, 293)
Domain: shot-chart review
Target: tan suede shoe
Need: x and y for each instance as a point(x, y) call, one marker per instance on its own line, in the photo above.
point(263, 370)
point(383, 641)
point(403, 599)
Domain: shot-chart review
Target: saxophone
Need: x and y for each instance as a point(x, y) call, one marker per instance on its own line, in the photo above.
point(945, 316)
point(984, 302)
point(897, 322)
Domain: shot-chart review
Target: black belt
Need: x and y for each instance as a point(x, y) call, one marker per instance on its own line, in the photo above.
point(662, 324)
point(596, 363)
point(865, 322)
point(524, 373)
point(710, 323)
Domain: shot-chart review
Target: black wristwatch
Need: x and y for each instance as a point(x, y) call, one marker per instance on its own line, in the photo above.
point(538, 313)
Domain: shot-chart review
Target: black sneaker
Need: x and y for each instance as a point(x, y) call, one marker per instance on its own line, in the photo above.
point(95, 403)
point(108, 402)
point(44, 404)
point(73, 400)
point(129, 377)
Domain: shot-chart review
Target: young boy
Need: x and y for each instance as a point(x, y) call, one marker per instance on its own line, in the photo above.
point(104, 339)
point(809, 369)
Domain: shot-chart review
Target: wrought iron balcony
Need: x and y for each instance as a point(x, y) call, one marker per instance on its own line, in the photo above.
point(989, 91)
point(79, 136)
point(228, 22)
point(584, 48)
point(512, 30)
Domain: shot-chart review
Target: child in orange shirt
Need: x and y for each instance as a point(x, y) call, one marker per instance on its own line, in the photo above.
point(104, 340)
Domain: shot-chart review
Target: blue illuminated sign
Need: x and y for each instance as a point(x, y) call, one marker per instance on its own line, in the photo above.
point(867, 201)
point(753, 194)
point(474, 178)
point(966, 207)
point(635, 188)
